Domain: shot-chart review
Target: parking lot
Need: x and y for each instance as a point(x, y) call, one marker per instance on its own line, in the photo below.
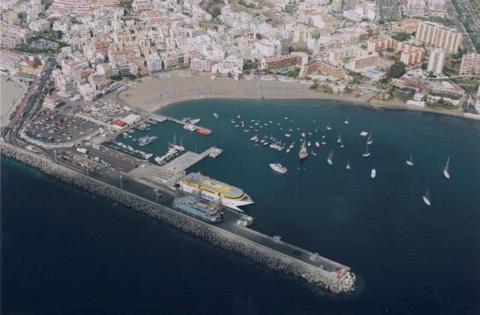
point(52, 127)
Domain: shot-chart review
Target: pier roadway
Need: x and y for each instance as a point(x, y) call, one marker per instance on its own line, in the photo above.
point(164, 196)
point(229, 223)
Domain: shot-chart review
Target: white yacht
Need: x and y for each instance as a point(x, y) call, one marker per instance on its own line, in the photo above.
point(279, 168)
point(363, 133)
point(317, 144)
point(426, 198)
point(370, 139)
point(339, 139)
point(330, 158)
point(346, 122)
point(446, 174)
point(373, 173)
point(303, 151)
point(409, 162)
point(348, 167)
point(367, 153)
point(216, 115)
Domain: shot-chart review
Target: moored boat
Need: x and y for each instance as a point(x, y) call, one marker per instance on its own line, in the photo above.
point(279, 168)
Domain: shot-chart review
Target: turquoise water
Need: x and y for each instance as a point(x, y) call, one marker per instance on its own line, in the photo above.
point(411, 259)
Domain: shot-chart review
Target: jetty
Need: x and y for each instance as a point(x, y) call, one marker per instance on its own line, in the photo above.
point(198, 129)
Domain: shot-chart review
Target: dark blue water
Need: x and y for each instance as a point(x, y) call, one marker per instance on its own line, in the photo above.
point(64, 251)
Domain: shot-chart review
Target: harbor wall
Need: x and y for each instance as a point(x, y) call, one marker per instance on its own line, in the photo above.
point(211, 233)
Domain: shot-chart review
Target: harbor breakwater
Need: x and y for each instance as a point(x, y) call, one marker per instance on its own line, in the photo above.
point(211, 233)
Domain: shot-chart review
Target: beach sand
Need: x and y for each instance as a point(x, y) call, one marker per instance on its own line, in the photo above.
point(152, 94)
point(11, 93)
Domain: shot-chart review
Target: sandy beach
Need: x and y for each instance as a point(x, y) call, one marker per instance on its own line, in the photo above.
point(156, 93)
point(11, 93)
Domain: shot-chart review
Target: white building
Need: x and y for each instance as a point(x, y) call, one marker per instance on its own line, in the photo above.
point(436, 61)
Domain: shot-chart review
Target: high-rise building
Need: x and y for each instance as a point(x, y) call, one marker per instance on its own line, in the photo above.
point(436, 61)
point(470, 64)
point(440, 36)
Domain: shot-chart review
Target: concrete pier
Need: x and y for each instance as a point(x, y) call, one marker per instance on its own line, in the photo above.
point(162, 118)
point(229, 234)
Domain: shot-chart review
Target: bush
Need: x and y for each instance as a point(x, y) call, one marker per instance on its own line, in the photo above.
point(396, 70)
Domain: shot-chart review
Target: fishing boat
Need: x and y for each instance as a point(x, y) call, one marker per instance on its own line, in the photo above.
point(348, 165)
point(409, 162)
point(426, 198)
point(373, 173)
point(370, 139)
point(303, 153)
point(366, 154)
point(279, 168)
point(330, 158)
point(446, 174)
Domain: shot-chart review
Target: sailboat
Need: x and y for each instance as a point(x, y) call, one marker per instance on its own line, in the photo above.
point(409, 162)
point(330, 158)
point(366, 154)
point(348, 165)
point(303, 151)
point(445, 170)
point(426, 198)
point(370, 139)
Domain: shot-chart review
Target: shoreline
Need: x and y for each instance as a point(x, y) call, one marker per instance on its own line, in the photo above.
point(156, 94)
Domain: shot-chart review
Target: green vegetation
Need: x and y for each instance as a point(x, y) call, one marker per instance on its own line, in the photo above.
point(396, 70)
point(321, 87)
point(293, 72)
point(401, 36)
point(213, 7)
point(441, 104)
point(357, 78)
point(469, 85)
point(250, 64)
point(131, 77)
point(43, 43)
point(465, 21)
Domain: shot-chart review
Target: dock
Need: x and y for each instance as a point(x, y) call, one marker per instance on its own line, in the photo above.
point(162, 118)
point(171, 172)
point(186, 160)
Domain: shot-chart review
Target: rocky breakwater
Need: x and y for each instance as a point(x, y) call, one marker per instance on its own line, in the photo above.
point(218, 237)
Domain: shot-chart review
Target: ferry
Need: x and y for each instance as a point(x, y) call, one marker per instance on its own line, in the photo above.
point(279, 168)
point(198, 208)
point(214, 190)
